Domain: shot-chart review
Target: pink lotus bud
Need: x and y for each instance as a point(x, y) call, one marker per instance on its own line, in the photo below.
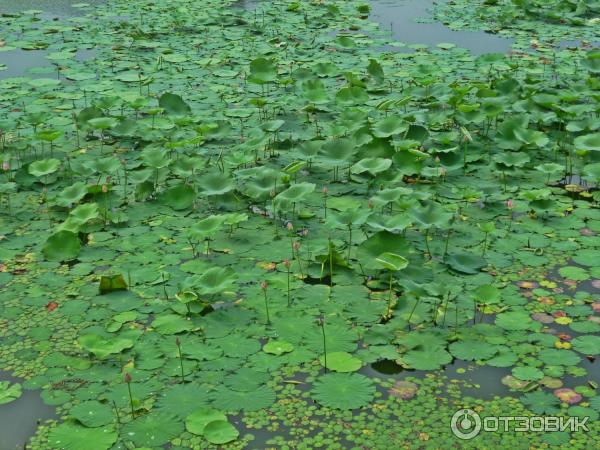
point(104, 189)
point(296, 245)
point(325, 190)
point(509, 204)
point(127, 378)
point(263, 285)
point(5, 166)
point(290, 226)
point(286, 263)
point(443, 171)
point(437, 160)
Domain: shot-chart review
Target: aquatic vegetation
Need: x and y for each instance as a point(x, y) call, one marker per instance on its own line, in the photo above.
point(219, 225)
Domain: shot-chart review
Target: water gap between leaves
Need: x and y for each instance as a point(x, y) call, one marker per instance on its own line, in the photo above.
point(19, 419)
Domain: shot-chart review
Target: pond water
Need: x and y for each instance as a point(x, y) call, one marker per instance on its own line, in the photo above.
point(20, 418)
point(50, 8)
point(19, 62)
point(398, 16)
point(22, 62)
point(404, 19)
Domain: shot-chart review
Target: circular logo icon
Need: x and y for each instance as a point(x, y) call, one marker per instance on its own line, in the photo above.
point(465, 424)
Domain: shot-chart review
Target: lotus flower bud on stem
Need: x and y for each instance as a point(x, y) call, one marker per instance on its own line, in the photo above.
point(127, 378)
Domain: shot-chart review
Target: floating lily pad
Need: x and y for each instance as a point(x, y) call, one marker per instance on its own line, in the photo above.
point(343, 391)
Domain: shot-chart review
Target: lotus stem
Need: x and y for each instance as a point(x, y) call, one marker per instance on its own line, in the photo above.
point(389, 304)
point(446, 244)
point(263, 286)
point(456, 317)
point(413, 310)
point(349, 242)
point(178, 342)
point(427, 243)
point(484, 244)
point(128, 381)
point(445, 308)
point(164, 285)
point(330, 268)
point(117, 412)
point(321, 321)
point(125, 184)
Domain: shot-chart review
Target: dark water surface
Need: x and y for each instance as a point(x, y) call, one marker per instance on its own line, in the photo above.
point(403, 19)
point(399, 17)
point(50, 8)
point(20, 418)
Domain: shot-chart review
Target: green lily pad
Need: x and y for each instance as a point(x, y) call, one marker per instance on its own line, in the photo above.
point(220, 432)
point(70, 436)
point(341, 362)
point(9, 392)
point(343, 390)
point(62, 246)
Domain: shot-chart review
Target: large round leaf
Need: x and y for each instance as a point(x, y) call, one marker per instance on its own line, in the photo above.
point(44, 167)
point(62, 246)
point(343, 390)
point(173, 104)
point(179, 197)
point(590, 142)
point(71, 436)
point(152, 430)
point(220, 432)
point(93, 413)
point(468, 263)
point(196, 421)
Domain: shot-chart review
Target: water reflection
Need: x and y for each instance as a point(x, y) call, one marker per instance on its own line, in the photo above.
point(61, 8)
point(398, 16)
point(20, 62)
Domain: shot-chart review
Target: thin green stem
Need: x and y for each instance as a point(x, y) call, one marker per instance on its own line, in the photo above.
point(389, 305)
point(427, 243)
point(131, 400)
point(267, 307)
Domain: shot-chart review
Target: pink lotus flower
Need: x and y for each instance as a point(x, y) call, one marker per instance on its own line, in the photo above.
point(509, 204)
point(5, 166)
